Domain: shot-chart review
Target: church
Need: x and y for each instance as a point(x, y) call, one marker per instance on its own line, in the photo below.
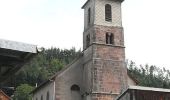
point(100, 73)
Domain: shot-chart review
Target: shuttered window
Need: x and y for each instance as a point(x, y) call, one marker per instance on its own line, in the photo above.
point(108, 13)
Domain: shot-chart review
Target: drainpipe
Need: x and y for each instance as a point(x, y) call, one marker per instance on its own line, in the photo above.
point(53, 80)
point(54, 90)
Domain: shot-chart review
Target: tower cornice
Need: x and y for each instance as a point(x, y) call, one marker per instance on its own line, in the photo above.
point(89, 0)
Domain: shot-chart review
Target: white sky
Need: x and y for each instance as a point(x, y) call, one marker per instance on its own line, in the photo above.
point(59, 23)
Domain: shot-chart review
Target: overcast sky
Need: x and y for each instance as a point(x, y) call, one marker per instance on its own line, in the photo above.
point(59, 23)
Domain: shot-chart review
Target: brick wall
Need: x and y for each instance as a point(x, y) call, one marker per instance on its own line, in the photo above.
point(100, 34)
point(108, 70)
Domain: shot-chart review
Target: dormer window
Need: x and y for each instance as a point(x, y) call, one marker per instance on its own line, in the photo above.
point(109, 38)
point(108, 13)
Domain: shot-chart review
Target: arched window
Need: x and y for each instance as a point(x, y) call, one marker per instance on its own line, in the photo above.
point(41, 97)
point(48, 96)
point(75, 92)
point(36, 98)
point(109, 38)
point(108, 13)
point(75, 88)
point(89, 16)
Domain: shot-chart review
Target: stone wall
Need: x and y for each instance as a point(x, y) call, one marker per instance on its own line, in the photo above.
point(87, 69)
point(107, 65)
point(90, 31)
point(90, 5)
point(49, 87)
point(100, 34)
point(109, 70)
point(103, 97)
point(72, 75)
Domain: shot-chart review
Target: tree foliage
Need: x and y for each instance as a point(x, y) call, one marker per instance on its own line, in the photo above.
point(150, 75)
point(22, 92)
point(45, 64)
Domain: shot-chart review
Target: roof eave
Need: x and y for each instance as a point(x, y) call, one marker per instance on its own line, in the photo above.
point(89, 0)
point(85, 4)
point(41, 85)
point(149, 89)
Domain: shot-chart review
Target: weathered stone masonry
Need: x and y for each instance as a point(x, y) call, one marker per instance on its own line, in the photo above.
point(108, 71)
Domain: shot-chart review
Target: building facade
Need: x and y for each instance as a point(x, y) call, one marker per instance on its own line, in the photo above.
point(47, 92)
point(100, 73)
point(144, 93)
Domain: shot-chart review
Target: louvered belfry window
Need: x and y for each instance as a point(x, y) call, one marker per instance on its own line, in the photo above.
point(109, 38)
point(108, 13)
point(89, 16)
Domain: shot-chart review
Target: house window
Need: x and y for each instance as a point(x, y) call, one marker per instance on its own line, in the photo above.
point(41, 97)
point(108, 13)
point(109, 38)
point(89, 16)
point(88, 40)
point(48, 96)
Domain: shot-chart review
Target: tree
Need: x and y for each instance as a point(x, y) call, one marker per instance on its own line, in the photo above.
point(44, 65)
point(150, 75)
point(22, 92)
point(55, 66)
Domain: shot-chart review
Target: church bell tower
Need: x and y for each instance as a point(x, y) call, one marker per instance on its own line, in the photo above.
point(104, 71)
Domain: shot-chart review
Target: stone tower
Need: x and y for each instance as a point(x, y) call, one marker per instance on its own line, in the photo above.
point(104, 70)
